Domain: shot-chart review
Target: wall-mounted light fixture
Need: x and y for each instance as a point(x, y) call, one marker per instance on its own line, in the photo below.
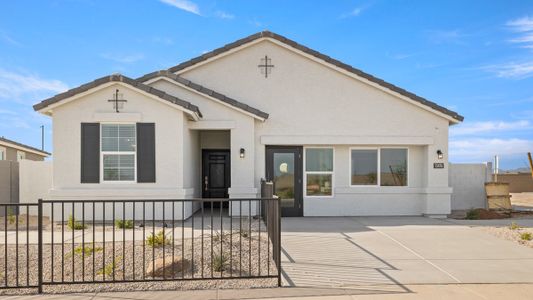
point(440, 155)
point(241, 154)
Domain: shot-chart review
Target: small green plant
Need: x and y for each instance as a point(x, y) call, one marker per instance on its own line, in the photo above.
point(75, 225)
point(244, 233)
point(157, 240)
point(11, 216)
point(526, 236)
point(472, 214)
point(514, 226)
point(87, 250)
point(124, 224)
point(110, 267)
point(219, 263)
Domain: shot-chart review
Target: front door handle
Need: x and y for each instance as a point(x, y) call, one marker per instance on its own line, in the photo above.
point(206, 181)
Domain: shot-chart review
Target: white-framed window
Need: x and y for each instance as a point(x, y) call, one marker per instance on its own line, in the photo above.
point(384, 166)
point(3, 153)
point(21, 155)
point(364, 166)
point(118, 152)
point(318, 171)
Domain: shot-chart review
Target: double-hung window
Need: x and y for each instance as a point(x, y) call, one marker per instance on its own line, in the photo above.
point(379, 167)
point(319, 172)
point(118, 152)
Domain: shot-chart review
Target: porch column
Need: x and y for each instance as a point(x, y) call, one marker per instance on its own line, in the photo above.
point(438, 192)
point(242, 168)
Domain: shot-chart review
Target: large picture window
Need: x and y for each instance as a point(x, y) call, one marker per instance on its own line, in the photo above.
point(319, 171)
point(364, 167)
point(393, 167)
point(118, 152)
point(379, 167)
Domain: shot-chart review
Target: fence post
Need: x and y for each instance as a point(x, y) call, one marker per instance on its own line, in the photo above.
point(279, 242)
point(40, 245)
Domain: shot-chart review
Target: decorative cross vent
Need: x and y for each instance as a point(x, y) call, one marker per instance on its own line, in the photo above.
point(266, 66)
point(118, 101)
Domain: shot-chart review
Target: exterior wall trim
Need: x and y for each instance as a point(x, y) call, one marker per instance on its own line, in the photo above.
point(345, 140)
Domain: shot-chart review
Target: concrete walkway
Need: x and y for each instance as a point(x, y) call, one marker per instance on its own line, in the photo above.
point(415, 292)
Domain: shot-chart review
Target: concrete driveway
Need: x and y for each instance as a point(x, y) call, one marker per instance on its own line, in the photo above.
point(385, 254)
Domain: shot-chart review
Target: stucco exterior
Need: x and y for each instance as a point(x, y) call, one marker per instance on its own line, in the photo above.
point(313, 104)
point(309, 103)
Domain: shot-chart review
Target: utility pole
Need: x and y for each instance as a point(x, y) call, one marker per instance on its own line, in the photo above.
point(42, 137)
point(530, 163)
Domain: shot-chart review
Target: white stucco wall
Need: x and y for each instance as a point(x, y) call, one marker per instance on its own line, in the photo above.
point(35, 180)
point(139, 108)
point(311, 104)
point(468, 182)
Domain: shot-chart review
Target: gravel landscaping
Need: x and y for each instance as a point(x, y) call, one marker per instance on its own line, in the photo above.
point(513, 233)
point(251, 257)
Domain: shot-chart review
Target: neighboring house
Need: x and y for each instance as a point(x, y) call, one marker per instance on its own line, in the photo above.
point(336, 141)
point(14, 151)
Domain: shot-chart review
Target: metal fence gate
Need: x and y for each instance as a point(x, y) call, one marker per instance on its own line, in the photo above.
point(111, 241)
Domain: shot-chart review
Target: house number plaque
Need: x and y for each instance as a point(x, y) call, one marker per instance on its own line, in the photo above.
point(438, 165)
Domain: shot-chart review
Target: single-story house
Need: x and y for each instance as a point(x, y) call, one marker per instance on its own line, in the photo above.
point(15, 151)
point(335, 140)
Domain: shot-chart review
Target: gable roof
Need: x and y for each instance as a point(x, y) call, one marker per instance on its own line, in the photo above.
point(309, 51)
point(206, 91)
point(122, 79)
point(11, 143)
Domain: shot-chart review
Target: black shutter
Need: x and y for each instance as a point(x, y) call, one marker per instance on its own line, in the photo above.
point(145, 152)
point(90, 152)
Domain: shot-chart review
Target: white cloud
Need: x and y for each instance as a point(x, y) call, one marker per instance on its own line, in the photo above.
point(353, 13)
point(6, 38)
point(480, 149)
point(123, 58)
point(455, 36)
point(21, 86)
point(184, 5)
point(224, 15)
point(163, 40)
point(521, 24)
point(524, 26)
point(489, 127)
point(512, 70)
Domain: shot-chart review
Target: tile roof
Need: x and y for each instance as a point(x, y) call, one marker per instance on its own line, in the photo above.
point(337, 63)
point(204, 90)
point(44, 153)
point(118, 78)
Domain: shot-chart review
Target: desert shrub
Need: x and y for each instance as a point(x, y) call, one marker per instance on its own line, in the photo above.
point(244, 233)
point(124, 224)
point(526, 236)
point(219, 262)
point(75, 225)
point(110, 267)
point(514, 226)
point(472, 214)
point(87, 250)
point(157, 240)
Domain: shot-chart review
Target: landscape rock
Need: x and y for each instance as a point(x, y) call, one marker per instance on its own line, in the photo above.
point(169, 268)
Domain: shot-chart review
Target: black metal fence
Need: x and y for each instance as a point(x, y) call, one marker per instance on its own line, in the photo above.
point(110, 241)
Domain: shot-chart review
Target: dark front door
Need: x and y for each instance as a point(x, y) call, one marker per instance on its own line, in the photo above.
point(284, 169)
point(215, 173)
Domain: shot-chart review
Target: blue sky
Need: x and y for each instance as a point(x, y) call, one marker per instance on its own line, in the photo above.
point(475, 57)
